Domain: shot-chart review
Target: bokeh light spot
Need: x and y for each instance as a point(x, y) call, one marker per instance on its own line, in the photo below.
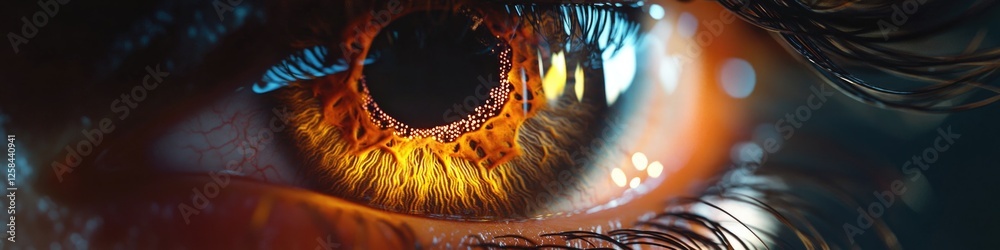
point(737, 77)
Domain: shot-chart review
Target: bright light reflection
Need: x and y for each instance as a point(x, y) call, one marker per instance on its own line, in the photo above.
point(667, 68)
point(670, 73)
point(555, 79)
point(578, 82)
point(618, 176)
point(687, 25)
point(656, 11)
point(619, 71)
point(639, 160)
point(655, 169)
point(737, 77)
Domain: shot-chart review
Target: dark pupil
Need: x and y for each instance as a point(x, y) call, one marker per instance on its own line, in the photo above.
point(428, 63)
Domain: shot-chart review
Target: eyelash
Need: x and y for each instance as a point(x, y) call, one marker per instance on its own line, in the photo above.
point(858, 32)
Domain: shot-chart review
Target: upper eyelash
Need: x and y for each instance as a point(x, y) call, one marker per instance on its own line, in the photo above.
point(304, 65)
point(584, 26)
point(584, 23)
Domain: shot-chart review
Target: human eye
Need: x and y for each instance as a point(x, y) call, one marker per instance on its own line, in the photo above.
point(547, 141)
point(413, 124)
point(461, 112)
point(556, 153)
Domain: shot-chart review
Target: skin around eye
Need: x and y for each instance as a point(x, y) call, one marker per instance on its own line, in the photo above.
point(62, 83)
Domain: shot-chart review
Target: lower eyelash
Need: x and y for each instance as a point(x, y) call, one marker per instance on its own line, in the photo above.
point(682, 225)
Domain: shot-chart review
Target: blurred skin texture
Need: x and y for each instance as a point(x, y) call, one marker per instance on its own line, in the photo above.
point(161, 90)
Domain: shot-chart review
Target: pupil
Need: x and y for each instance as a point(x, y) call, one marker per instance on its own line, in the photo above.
point(432, 66)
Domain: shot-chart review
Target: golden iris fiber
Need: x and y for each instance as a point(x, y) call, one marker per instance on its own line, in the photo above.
point(497, 171)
